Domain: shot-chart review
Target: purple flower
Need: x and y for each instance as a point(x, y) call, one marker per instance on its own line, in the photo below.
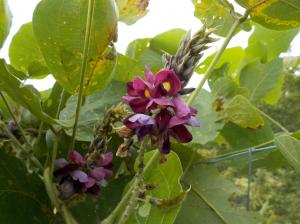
point(153, 91)
point(78, 174)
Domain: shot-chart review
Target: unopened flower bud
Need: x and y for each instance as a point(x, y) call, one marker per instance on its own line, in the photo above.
point(124, 132)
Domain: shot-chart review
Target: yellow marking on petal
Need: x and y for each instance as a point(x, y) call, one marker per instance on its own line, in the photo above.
point(167, 86)
point(147, 93)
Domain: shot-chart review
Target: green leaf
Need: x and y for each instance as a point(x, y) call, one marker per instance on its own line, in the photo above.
point(136, 48)
point(208, 118)
point(92, 109)
point(131, 11)
point(261, 78)
point(242, 138)
point(207, 202)
point(25, 54)
point(61, 40)
point(127, 68)
point(279, 15)
point(233, 56)
point(22, 196)
point(275, 42)
point(217, 14)
point(167, 41)
point(242, 113)
point(167, 176)
point(5, 21)
point(290, 149)
point(22, 94)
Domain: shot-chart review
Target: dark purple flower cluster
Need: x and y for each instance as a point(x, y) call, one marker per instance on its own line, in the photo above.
point(82, 174)
point(158, 109)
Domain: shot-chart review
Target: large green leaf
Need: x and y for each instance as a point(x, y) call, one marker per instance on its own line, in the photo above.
point(274, 41)
point(260, 78)
point(209, 119)
point(241, 138)
point(167, 41)
point(92, 109)
point(132, 10)
point(242, 113)
point(207, 202)
point(22, 196)
point(136, 48)
point(61, 40)
point(290, 149)
point(21, 94)
point(166, 176)
point(5, 21)
point(274, 14)
point(25, 54)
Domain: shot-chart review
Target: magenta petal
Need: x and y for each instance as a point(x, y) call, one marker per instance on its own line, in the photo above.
point(130, 89)
point(106, 159)
point(193, 111)
point(160, 102)
point(182, 109)
point(194, 122)
point(75, 157)
point(107, 172)
point(98, 173)
point(149, 77)
point(163, 119)
point(60, 163)
point(174, 121)
point(142, 119)
point(170, 77)
point(91, 182)
point(166, 146)
point(80, 176)
point(138, 105)
point(139, 84)
point(129, 124)
point(181, 133)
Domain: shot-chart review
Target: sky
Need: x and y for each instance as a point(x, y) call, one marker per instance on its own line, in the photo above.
point(163, 15)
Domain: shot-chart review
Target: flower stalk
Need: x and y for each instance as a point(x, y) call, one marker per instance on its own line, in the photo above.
point(212, 65)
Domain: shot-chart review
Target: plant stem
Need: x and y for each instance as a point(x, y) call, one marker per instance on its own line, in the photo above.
point(83, 66)
point(218, 56)
point(14, 117)
point(57, 203)
point(138, 182)
point(111, 218)
point(273, 121)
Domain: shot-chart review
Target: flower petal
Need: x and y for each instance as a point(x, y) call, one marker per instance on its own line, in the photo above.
point(130, 90)
point(181, 108)
point(142, 119)
point(105, 159)
point(60, 163)
point(149, 77)
point(76, 158)
point(98, 173)
point(181, 133)
point(138, 105)
point(91, 182)
point(166, 146)
point(163, 119)
point(169, 77)
point(174, 121)
point(139, 84)
point(66, 170)
point(194, 122)
point(160, 102)
point(141, 132)
point(79, 175)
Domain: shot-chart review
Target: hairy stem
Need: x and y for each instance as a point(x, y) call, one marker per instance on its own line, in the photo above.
point(14, 117)
point(212, 65)
point(124, 201)
point(83, 66)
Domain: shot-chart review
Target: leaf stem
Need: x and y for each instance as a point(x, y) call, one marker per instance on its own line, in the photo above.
point(273, 121)
point(112, 217)
point(14, 117)
point(62, 98)
point(83, 66)
point(218, 56)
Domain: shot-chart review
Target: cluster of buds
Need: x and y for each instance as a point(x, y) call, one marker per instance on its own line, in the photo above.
point(83, 174)
point(159, 112)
